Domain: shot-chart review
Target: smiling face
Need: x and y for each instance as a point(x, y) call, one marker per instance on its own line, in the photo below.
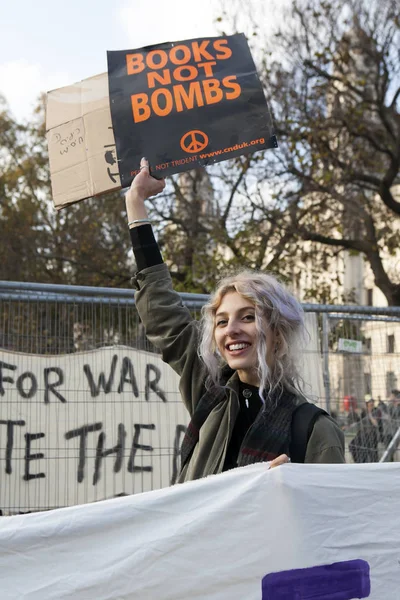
point(235, 335)
point(256, 326)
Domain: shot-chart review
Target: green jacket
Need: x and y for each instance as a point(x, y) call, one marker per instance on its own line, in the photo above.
point(171, 328)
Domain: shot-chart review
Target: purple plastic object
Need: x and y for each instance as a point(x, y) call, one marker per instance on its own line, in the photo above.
point(340, 581)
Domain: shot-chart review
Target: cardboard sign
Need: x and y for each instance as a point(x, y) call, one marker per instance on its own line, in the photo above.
point(320, 532)
point(186, 104)
point(82, 153)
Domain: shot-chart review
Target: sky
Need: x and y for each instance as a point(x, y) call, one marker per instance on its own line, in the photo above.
point(46, 44)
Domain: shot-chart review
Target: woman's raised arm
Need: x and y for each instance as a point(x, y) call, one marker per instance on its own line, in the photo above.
point(168, 323)
point(143, 186)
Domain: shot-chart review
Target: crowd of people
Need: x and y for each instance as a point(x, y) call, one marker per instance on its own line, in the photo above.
point(377, 424)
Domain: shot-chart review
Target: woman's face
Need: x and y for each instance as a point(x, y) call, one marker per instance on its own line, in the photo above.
point(235, 335)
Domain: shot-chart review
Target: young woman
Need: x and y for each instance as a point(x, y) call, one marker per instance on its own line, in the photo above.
point(237, 367)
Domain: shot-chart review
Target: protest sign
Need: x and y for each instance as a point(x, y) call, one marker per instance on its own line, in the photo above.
point(298, 531)
point(86, 426)
point(186, 104)
point(181, 105)
point(80, 139)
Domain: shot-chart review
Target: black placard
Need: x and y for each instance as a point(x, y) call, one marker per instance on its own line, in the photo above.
point(186, 104)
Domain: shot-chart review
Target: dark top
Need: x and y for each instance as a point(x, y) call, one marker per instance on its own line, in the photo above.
point(250, 405)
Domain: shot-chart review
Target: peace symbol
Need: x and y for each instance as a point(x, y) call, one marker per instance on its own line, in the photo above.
point(194, 141)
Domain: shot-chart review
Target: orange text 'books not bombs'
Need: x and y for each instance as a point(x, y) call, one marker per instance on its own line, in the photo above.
point(161, 93)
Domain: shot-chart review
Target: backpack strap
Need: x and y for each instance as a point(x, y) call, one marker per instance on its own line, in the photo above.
point(303, 421)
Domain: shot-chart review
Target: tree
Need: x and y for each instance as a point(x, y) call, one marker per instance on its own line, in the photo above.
point(86, 244)
point(332, 78)
point(208, 226)
point(331, 75)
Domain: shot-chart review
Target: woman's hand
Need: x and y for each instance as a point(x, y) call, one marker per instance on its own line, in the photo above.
point(280, 460)
point(143, 186)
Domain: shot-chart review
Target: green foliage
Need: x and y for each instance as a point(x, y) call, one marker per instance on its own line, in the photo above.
point(332, 77)
point(86, 244)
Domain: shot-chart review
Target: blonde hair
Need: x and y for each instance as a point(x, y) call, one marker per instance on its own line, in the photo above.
point(276, 308)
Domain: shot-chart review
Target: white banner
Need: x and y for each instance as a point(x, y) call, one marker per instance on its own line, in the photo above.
point(295, 532)
point(86, 426)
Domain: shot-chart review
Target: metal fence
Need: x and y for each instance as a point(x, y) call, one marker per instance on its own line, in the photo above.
point(89, 411)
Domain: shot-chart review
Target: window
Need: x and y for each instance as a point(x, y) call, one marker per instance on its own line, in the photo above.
point(370, 297)
point(390, 344)
point(368, 383)
point(391, 382)
point(367, 345)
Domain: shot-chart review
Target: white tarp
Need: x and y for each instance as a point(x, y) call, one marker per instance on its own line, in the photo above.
point(220, 538)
